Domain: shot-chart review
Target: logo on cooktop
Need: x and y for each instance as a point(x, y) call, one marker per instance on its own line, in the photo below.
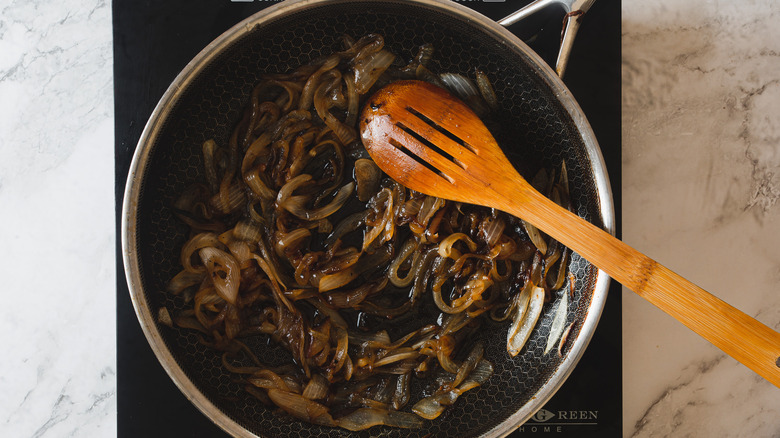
point(555, 421)
point(543, 415)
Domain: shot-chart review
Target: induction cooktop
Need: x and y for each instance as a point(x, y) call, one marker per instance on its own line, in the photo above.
point(153, 40)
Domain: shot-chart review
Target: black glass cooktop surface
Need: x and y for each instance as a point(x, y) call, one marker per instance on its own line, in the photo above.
point(154, 40)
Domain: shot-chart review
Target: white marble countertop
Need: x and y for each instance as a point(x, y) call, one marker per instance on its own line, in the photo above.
point(701, 184)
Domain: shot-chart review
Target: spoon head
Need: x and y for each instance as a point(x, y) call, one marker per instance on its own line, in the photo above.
point(431, 142)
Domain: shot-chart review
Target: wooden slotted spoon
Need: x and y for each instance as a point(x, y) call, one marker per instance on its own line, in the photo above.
point(461, 161)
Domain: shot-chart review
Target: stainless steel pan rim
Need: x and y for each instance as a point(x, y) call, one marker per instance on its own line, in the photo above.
point(147, 316)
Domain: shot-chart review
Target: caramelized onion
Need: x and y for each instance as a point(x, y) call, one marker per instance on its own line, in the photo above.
point(317, 388)
point(342, 278)
point(184, 280)
point(367, 177)
point(295, 205)
point(365, 418)
point(224, 272)
point(431, 407)
point(559, 320)
point(322, 104)
point(300, 407)
point(486, 90)
point(368, 68)
point(291, 239)
point(465, 90)
point(446, 249)
point(408, 249)
point(429, 207)
point(192, 246)
point(525, 319)
point(210, 163)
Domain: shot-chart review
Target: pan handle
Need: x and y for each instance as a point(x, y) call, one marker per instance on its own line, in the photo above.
point(575, 9)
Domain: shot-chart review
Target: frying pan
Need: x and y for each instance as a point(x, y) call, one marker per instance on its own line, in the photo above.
point(540, 126)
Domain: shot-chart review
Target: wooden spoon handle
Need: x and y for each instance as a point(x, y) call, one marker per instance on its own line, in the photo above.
point(737, 334)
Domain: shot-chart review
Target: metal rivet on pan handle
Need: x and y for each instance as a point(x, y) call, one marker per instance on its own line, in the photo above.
point(575, 9)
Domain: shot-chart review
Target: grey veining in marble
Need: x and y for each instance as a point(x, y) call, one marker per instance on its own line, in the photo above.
point(701, 184)
point(57, 375)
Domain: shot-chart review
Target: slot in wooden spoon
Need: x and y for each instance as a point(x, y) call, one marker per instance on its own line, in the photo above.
point(431, 142)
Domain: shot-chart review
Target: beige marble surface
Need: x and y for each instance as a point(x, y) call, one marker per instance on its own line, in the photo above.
point(701, 184)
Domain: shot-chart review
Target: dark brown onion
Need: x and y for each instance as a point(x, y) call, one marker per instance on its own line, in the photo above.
point(301, 407)
point(367, 177)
